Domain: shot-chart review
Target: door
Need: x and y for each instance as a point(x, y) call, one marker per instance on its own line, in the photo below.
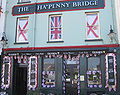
point(71, 79)
point(20, 81)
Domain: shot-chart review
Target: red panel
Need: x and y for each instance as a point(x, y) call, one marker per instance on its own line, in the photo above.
point(64, 47)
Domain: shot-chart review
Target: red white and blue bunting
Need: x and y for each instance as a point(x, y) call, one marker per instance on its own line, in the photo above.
point(33, 60)
point(6, 61)
point(20, 58)
point(99, 85)
point(25, 59)
point(52, 73)
point(111, 72)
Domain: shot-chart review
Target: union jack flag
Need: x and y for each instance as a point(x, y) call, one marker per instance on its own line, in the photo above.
point(55, 27)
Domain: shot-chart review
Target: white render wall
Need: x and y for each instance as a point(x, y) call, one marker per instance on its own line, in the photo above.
point(117, 4)
point(2, 20)
point(75, 28)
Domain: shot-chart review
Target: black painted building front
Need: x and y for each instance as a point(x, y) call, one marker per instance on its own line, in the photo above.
point(68, 70)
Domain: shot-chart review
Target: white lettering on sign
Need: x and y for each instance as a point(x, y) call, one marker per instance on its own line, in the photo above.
point(110, 60)
point(67, 5)
point(23, 9)
point(85, 3)
point(53, 6)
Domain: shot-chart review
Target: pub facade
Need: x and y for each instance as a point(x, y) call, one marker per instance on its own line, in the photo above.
point(61, 47)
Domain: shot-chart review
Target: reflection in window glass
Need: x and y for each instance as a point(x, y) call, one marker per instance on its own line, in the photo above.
point(94, 63)
point(49, 65)
point(73, 61)
point(94, 71)
point(48, 73)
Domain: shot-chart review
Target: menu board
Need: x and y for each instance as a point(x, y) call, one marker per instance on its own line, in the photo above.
point(111, 77)
point(6, 73)
point(111, 72)
point(32, 73)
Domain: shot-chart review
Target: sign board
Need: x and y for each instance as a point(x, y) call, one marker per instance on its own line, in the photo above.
point(111, 79)
point(57, 6)
point(32, 77)
point(82, 78)
point(111, 72)
point(32, 73)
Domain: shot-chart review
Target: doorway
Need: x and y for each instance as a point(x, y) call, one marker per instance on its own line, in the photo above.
point(72, 79)
point(20, 80)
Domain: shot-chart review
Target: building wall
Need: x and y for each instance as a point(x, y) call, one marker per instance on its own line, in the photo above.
point(74, 31)
point(2, 19)
point(74, 34)
point(117, 4)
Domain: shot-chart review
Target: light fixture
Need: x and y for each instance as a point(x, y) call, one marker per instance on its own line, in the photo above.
point(112, 35)
point(4, 39)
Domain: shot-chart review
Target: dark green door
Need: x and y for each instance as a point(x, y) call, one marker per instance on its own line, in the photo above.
point(71, 79)
point(20, 80)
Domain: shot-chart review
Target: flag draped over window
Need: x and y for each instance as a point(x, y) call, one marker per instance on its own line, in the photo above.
point(22, 35)
point(55, 28)
point(92, 26)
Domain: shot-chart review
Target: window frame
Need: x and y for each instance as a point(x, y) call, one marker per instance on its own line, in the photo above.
point(94, 57)
point(17, 31)
point(43, 71)
point(93, 85)
point(49, 34)
point(86, 26)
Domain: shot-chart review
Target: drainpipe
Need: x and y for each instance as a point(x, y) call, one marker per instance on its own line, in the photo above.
point(117, 13)
point(34, 27)
point(113, 18)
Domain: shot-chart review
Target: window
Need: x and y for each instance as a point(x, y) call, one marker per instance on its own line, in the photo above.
point(22, 30)
point(48, 74)
point(55, 28)
point(94, 72)
point(23, 1)
point(93, 63)
point(92, 26)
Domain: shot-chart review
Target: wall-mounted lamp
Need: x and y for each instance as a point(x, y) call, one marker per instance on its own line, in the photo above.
point(112, 35)
point(4, 39)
